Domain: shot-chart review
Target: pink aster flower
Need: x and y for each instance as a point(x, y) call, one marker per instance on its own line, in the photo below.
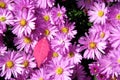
point(49, 31)
point(93, 45)
point(3, 50)
point(28, 63)
point(6, 17)
point(114, 14)
point(6, 4)
point(109, 64)
point(39, 75)
point(60, 69)
point(97, 13)
point(24, 24)
point(21, 5)
point(85, 3)
point(11, 64)
point(114, 37)
point(25, 43)
point(54, 54)
point(60, 42)
point(73, 54)
point(102, 30)
point(46, 16)
point(45, 3)
point(68, 29)
point(59, 14)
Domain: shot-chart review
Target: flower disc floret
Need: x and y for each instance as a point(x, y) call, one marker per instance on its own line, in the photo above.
point(9, 64)
point(23, 22)
point(26, 63)
point(71, 54)
point(46, 32)
point(59, 70)
point(2, 18)
point(46, 18)
point(59, 14)
point(102, 34)
point(64, 30)
point(118, 16)
point(27, 40)
point(92, 45)
point(2, 4)
point(55, 54)
point(100, 13)
point(41, 78)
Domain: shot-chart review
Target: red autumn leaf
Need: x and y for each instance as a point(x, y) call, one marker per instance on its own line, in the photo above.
point(41, 51)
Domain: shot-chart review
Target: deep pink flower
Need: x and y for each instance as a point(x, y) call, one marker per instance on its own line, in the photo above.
point(94, 68)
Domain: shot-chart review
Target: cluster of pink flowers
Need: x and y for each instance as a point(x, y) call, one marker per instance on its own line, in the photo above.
point(102, 41)
point(31, 20)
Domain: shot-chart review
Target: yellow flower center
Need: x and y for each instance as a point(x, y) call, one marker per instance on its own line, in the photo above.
point(2, 4)
point(9, 64)
point(59, 14)
point(46, 18)
point(27, 40)
point(41, 78)
point(71, 54)
point(64, 30)
point(118, 16)
point(55, 54)
point(23, 22)
point(59, 70)
point(118, 60)
point(46, 32)
point(26, 63)
point(102, 34)
point(100, 13)
point(2, 18)
point(92, 45)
